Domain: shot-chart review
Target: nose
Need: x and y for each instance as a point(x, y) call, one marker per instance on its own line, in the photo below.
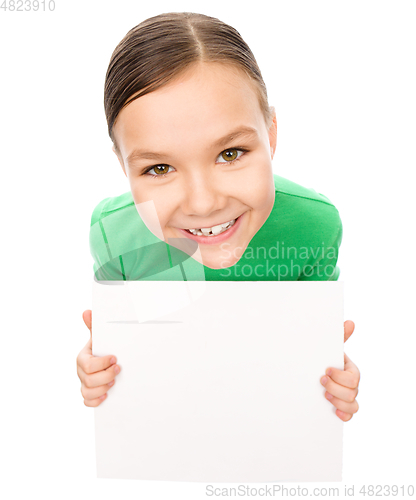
point(203, 194)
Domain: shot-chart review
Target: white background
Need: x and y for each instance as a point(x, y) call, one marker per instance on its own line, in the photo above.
point(342, 78)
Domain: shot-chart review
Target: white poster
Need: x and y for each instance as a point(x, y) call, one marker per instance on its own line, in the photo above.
point(219, 381)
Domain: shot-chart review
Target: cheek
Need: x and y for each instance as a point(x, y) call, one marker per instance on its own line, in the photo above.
point(143, 193)
point(151, 210)
point(256, 188)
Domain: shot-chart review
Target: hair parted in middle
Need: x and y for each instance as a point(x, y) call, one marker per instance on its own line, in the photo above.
point(161, 48)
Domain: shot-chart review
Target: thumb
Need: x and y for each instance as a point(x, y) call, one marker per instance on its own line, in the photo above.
point(348, 329)
point(87, 317)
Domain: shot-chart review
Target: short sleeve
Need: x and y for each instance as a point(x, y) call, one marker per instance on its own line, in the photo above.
point(325, 267)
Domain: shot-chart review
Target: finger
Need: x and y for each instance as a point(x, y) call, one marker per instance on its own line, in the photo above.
point(348, 377)
point(343, 416)
point(342, 405)
point(93, 364)
point(351, 367)
point(95, 402)
point(100, 378)
point(87, 317)
point(85, 353)
point(84, 377)
point(348, 329)
point(96, 392)
point(339, 391)
point(87, 349)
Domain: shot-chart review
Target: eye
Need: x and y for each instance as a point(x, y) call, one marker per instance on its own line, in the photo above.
point(160, 170)
point(230, 155)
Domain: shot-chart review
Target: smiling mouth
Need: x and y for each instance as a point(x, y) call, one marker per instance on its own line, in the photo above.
point(214, 230)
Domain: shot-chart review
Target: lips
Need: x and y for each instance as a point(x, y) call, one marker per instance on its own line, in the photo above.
point(214, 240)
point(213, 225)
point(213, 230)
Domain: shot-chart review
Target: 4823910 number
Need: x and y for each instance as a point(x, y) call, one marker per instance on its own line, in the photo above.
point(27, 5)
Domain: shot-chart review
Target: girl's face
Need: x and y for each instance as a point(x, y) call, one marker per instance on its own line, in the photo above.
point(199, 149)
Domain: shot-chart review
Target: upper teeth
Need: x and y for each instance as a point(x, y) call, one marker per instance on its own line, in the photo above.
point(214, 229)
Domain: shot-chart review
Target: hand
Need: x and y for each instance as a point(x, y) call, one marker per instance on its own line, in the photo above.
point(97, 373)
point(342, 385)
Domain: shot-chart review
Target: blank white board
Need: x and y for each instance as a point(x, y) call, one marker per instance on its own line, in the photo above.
point(219, 381)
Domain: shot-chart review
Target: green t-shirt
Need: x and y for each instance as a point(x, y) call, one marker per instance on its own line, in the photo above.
point(300, 240)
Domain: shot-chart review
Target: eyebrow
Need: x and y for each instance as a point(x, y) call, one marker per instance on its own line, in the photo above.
point(241, 132)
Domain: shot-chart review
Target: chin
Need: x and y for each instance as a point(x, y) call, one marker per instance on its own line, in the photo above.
point(217, 263)
point(214, 266)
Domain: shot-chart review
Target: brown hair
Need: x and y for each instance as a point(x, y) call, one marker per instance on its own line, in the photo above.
point(160, 48)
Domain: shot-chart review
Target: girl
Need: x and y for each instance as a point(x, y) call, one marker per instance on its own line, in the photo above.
point(188, 115)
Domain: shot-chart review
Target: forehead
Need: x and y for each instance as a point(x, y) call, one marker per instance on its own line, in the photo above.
point(207, 101)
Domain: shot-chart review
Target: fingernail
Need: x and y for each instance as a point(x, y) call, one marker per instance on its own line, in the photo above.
point(110, 384)
point(117, 369)
point(329, 371)
point(324, 380)
point(328, 396)
point(103, 396)
point(112, 361)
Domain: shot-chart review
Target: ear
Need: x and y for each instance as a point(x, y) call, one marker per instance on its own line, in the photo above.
point(273, 133)
point(120, 160)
